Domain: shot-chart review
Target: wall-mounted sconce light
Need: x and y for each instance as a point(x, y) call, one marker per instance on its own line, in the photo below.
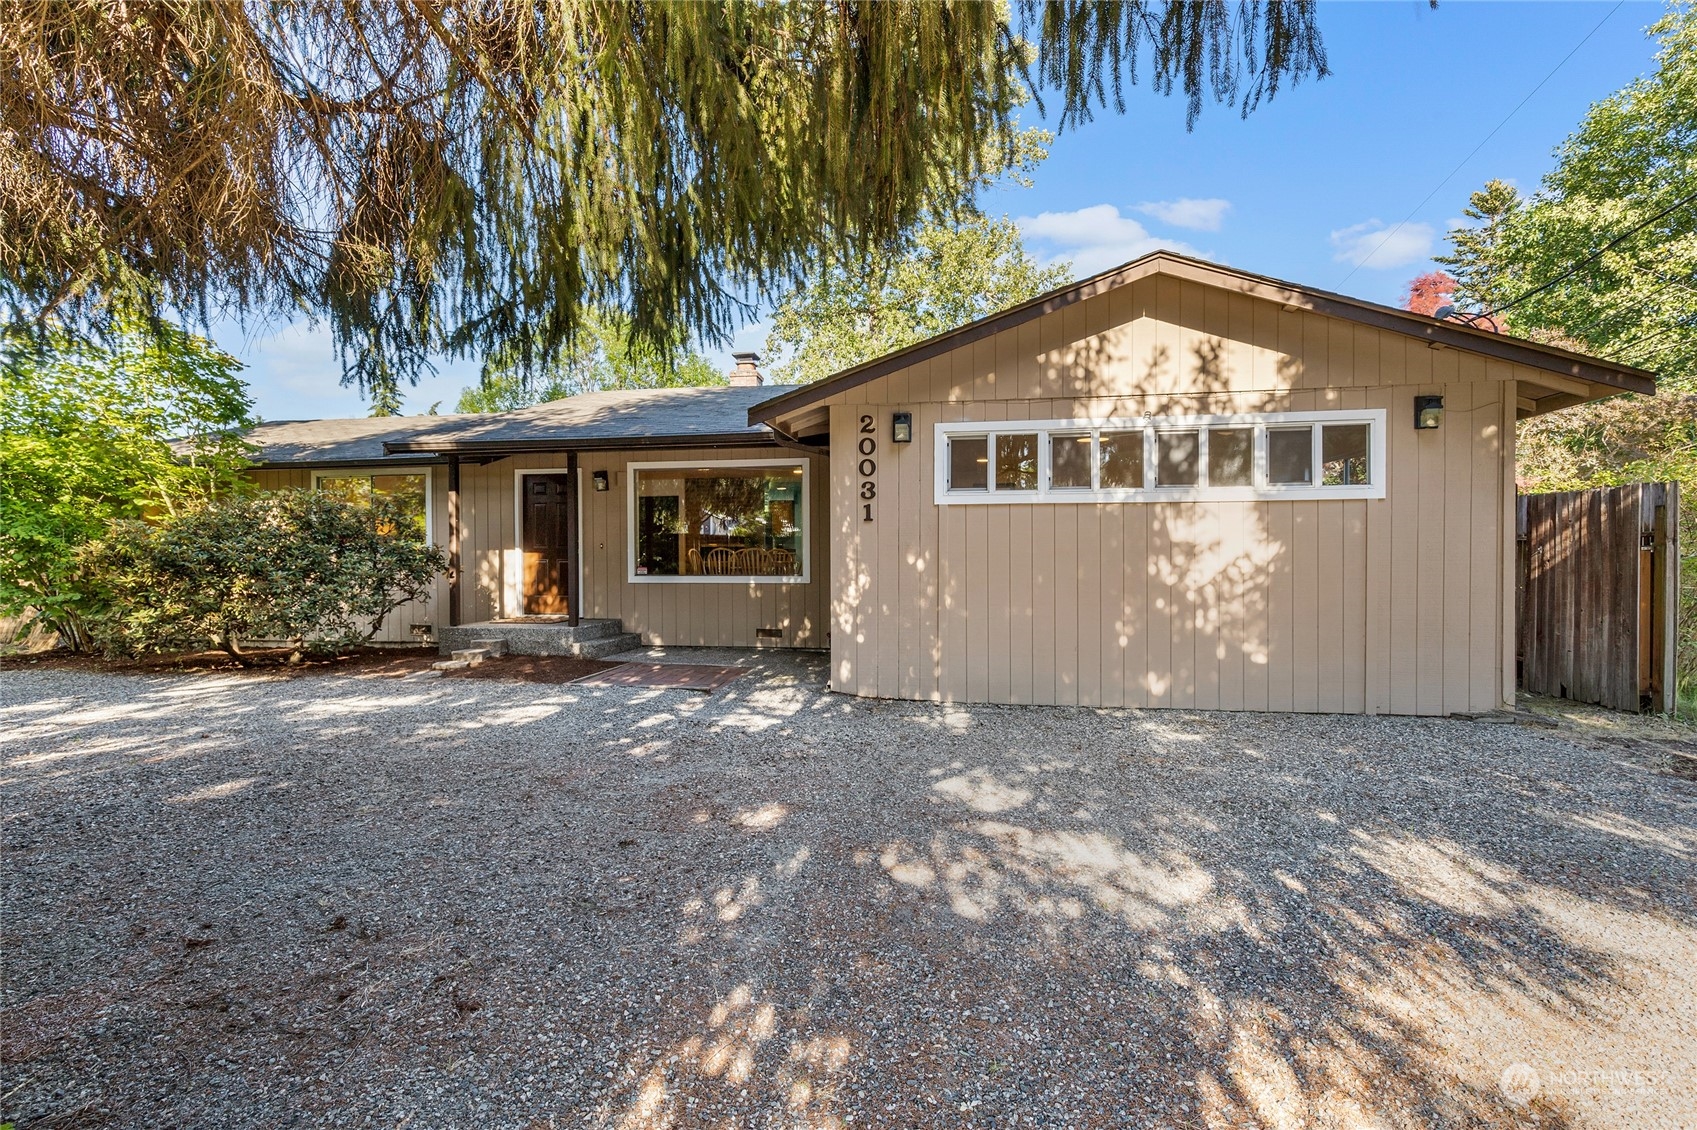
point(901, 427)
point(599, 478)
point(1428, 412)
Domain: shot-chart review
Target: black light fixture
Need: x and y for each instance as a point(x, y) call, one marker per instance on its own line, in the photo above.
point(1428, 412)
point(901, 427)
point(599, 478)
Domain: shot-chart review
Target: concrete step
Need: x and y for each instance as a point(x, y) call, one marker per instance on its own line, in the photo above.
point(452, 665)
point(598, 629)
point(527, 637)
point(606, 645)
point(493, 647)
point(475, 655)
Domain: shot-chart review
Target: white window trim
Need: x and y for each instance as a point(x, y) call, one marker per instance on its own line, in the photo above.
point(807, 516)
point(368, 471)
point(1261, 491)
point(512, 578)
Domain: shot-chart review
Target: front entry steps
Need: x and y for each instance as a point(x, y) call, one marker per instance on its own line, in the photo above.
point(589, 639)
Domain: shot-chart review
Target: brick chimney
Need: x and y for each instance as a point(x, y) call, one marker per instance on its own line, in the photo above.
point(747, 372)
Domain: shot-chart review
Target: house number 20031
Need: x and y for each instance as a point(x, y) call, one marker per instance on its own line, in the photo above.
point(868, 466)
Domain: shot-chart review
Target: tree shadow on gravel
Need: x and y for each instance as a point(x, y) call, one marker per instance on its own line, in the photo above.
point(1177, 926)
point(775, 906)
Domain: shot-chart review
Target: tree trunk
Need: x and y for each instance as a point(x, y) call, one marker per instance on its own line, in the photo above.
point(232, 647)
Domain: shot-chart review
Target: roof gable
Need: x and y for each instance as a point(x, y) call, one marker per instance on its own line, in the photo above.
point(1575, 377)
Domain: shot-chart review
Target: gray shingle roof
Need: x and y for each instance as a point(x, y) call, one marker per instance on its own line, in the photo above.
point(609, 419)
point(318, 442)
point(634, 417)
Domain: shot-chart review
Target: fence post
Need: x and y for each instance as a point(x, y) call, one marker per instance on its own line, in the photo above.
point(1664, 598)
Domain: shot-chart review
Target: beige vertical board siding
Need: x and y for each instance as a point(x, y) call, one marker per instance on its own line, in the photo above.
point(957, 560)
point(1135, 610)
point(1022, 589)
point(1183, 596)
point(1254, 581)
point(433, 610)
point(1048, 553)
point(1159, 675)
point(850, 573)
point(1457, 610)
point(1354, 590)
point(1429, 482)
point(1488, 602)
point(1304, 656)
point(1378, 605)
point(916, 459)
point(1329, 632)
point(1379, 587)
point(1112, 568)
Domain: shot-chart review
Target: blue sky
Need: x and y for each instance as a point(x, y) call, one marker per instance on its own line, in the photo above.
point(1310, 188)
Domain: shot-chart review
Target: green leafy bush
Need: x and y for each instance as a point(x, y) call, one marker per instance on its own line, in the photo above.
point(304, 567)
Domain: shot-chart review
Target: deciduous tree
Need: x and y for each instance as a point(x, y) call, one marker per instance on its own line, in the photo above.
point(89, 435)
point(1605, 252)
point(1428, 292)
point(951, 274)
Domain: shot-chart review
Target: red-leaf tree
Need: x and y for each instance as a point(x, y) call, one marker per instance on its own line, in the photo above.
point(1429, 291)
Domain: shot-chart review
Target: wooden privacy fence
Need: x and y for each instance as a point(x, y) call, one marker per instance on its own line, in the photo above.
point(1597, 594)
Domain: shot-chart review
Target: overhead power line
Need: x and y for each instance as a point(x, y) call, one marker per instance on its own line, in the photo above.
point(1460, 164)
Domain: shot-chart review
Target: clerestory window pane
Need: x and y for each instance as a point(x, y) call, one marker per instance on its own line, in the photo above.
point(1290, 455)
point(1231, 453)
point(1069, 462)
point(1016, 461)
point(1122, 460)
point(1343, 455)
point(969, 463)
point(1176, 457)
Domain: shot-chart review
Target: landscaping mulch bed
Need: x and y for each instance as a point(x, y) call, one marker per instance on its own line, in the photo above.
point(366, 661)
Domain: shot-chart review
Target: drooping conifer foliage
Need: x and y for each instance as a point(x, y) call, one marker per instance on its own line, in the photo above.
point(472, 176)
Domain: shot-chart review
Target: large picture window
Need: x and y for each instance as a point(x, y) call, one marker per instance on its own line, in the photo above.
point(407, 488)
point(1332, 454)
point(711, 522)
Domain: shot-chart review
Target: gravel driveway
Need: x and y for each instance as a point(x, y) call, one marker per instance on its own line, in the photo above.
point(357, 901)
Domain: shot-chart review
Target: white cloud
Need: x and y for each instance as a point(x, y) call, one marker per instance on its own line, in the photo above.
point(1378, 248)
point(1185, 212)
point(1093, 239)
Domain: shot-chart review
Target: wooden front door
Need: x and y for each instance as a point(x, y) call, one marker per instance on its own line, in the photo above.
point(550, 529)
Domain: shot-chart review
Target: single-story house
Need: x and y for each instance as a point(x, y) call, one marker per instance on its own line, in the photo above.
point(1172, 484)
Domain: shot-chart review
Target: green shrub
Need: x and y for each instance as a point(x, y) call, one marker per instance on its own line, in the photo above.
point(304, 567)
